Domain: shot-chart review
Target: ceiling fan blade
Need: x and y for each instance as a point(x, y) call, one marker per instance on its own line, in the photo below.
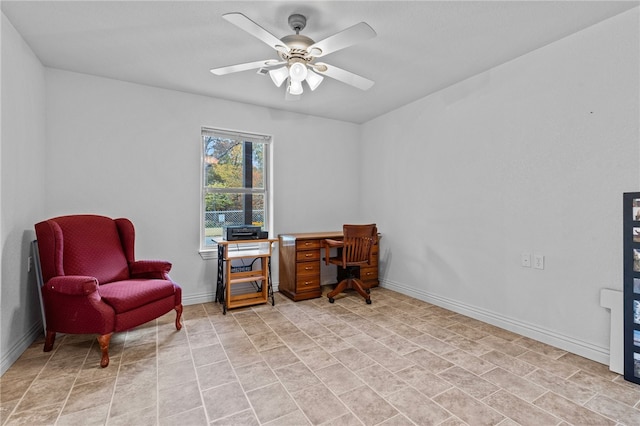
point(247, 66)
point(343, 76)
point(241, 21)
point(345, 38)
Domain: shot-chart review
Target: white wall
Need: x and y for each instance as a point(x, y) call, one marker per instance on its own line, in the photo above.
point(532, 156)
point(122, 149)
point(22, 191)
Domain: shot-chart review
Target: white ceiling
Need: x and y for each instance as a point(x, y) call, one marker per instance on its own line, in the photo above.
point(421, 46)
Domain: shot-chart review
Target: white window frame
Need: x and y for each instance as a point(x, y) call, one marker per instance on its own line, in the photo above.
point(209, 251)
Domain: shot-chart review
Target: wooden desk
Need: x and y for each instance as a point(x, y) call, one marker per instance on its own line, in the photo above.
point(230, 275)
point(300, 262)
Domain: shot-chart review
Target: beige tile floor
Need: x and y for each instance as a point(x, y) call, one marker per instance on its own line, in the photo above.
point(398, 361)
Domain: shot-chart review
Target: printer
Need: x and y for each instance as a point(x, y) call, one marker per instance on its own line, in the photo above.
point(242, 232)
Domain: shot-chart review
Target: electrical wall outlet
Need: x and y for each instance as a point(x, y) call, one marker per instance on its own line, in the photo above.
point(525, 260)
point(538, 261)
point(29, 263)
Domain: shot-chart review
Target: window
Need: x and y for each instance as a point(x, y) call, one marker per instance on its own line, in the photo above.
point(234, 182)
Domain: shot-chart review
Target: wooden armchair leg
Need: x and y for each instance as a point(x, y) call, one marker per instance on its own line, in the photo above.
point(49, 339)
point(178, 316)
point(104, 340)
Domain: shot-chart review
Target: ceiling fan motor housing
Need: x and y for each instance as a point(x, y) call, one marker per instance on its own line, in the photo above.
point(297, 44)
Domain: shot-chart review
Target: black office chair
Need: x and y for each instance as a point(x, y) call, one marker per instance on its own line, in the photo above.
point(354, 251)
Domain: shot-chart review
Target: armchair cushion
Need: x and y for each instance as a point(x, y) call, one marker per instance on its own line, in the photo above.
point(126, 295)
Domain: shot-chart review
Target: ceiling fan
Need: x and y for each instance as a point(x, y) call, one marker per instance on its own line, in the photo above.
point(297, 55)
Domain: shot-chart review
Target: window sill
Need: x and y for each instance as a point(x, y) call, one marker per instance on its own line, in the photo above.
point(240, 246)
point(208, 254)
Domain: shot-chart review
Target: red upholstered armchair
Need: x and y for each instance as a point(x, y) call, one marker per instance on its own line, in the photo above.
point(92, 282)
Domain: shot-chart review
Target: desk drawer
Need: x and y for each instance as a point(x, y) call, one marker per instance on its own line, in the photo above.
point(308, 268)
point(307, 255)
point(369, 273)
point(308, 244)
point(306, 282)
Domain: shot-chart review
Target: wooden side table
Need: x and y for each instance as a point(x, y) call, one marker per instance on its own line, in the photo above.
point(231, 275)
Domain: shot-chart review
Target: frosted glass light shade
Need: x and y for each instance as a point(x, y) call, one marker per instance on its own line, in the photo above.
point(314, 80)
point(278, 76)
point(295, 87)
point(298, 71)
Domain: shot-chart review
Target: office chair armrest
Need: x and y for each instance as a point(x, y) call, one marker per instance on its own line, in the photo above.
point(334, 243)
point(72, 285)
point(328, 245)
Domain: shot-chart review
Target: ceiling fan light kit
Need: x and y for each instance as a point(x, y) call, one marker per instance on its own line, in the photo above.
point(295, 87)
point(296, 73)
point(313, 79)
point(279, 75)
point(297, 54)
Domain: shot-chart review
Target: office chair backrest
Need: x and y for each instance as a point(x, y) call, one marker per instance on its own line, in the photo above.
point(358, 243)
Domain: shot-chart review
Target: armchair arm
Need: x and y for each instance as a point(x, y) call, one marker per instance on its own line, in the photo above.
point(73, 285)
point(150, 269)
point(328, 245)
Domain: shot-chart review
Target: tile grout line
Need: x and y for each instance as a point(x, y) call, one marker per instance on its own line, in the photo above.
point(228, 359)
point(364, 383)
point(547, 361)
point(185, 328)
point(75, 380)
point(270, 368)
point(13, 411)
point(305, 364)
point(115, 384)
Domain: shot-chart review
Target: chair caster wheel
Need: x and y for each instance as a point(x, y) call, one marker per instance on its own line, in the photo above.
point(368, 301)
point(331, 300)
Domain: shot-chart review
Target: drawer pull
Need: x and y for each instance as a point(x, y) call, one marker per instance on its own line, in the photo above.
point(307, 243)
point(308, 255)
point(307, 282)
point(308, 268)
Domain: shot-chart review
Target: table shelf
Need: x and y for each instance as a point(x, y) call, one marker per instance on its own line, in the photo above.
point(227, 278)
point(245, 278)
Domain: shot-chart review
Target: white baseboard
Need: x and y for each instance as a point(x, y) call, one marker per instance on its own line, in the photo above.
point(585, 349)
point(12, 355)
point(194, 299)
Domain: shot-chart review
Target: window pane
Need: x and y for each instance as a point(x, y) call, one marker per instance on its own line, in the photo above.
point(231, 209)
point(228, 162)
point(234, 182)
